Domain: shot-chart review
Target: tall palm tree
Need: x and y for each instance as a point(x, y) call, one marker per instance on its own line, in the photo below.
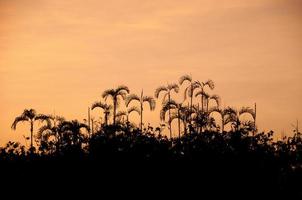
point(189, 89)
point(51, 128)
point(73, 131)
point(167, 93)
point(202, 93)
point(116, 94)
point(207, 98)
point(30, 115)
point(222, 113)
point(121, 114)
point(180, 112)
point(142, 99)
point(106, 109)
point(233, 116)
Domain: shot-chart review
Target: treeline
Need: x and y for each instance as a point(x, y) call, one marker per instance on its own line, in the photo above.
point(233, 158)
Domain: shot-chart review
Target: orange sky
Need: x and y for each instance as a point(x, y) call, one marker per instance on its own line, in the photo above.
point(60, 55)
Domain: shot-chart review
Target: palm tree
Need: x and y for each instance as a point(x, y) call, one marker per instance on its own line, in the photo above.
point(203, 95)
point(233, 116)
point(167, 93)
point(189, 89)
point(30, 115)
point(51, 128)
point(120, 91)
point(73, 131)
point(181, 113)
point(148, 99)
point(106, 109)
point(222, 113)
point(121, 114)
point(207, 98)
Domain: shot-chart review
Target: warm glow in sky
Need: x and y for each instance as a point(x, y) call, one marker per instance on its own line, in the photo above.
point(60, 55)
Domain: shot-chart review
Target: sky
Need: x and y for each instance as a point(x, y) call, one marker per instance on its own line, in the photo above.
point(58, 56)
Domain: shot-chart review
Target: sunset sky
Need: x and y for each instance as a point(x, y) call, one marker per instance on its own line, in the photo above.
point(60, 55)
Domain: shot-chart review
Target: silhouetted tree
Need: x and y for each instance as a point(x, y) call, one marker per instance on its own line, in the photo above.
point(106, 109)
point(167, 93)
point(142, 99)
point(233, 117)
point(121, 92)
point(30, 115)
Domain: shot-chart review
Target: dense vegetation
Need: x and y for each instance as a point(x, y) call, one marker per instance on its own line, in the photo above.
point(237, 158)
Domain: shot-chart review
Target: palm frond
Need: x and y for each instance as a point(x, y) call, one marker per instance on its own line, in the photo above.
point(133, 109)
point(30, 113)
point(174, 116)
point(184, 78)
point(202, 93)
point(216, 98)
point(131, 97)
point(215, 109)
point(99, 104)
point(173, 86)
point(247, 110)
point(165, 97)
point(249, 125)
point(122, 88)
point(107, 93)
point(186, 92)
point(21, 118)
point(42, 118)
point(210, 83)
point(166, 106)
point(121, 114)
point(151, 101)
point(159, 90)
point(191, 89)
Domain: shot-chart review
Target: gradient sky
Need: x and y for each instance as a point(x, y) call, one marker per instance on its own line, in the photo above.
point(60, 55)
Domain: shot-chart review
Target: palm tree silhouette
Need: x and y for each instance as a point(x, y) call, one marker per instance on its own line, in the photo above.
point(30, 115)
point(121, 114)
point(189, 89)
point(106, 109)
point(207, 98)
point(148, 99)
point(180, 112)
point(120, 91)
point(73, 131)
point(51, 128)
point(167, 93)
point(203, 95)
point(233, 116)
point(222, 113)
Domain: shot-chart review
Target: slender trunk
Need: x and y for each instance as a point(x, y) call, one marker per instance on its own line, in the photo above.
point(191, 107)
point(254, 132)
point(170, 116)
point(89, 121)
point(222, 124)
point(142, 102)
point(114, 109)
point(201, 109)
point(178, 124)
point(91, 128)
point(201, 102)
point(31, 134)
point(207, 101)
point(141, 116)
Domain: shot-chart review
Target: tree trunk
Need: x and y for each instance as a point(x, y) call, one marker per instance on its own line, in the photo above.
point(178, 124)
point(142, 117)
point(170, 116)
point(114, 109)
point(106, 119)
point(31, 135)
